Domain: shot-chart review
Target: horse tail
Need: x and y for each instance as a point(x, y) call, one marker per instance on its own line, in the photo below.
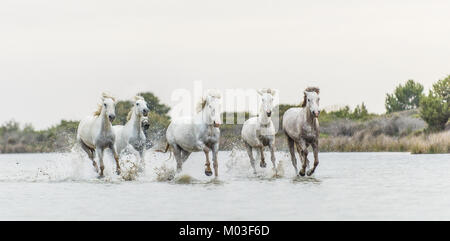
point(165, 151)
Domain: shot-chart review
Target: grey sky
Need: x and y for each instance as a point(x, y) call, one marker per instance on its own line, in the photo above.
point(56, 57)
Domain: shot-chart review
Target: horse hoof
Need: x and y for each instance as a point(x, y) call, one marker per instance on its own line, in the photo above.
point(310, 173)
point(118, 172)
point(208, 173)
point(101, 176)
point(302, 173)
point(263, 165)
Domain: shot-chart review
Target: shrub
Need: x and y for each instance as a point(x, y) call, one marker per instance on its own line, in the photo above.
point(405, 97)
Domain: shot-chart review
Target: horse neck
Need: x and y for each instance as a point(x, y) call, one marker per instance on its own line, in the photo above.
point(200, 122)
point(310, 119)
point(106, 124)
point(135, 121)
point(263, 118)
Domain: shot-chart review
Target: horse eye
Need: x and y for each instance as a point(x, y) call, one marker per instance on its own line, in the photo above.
point(104, 104)
point(137, 104)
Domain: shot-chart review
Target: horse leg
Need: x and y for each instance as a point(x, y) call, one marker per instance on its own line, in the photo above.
point(100, 159)
point(250, 154)
point(315, 147)
point(272, 155)
point(263, 162)
point(116, 158)
point(215, 151)
point(91, 153)
point(208, 171)
point(141, 161)
point(184, 155)
point(177, 152)
point(303, 153)
point(291, 144)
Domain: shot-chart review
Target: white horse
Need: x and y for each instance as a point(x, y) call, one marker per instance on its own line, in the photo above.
point(198, 133)
point(301, 126)
point(95, 133)
point(259, 132)
point(132, 133)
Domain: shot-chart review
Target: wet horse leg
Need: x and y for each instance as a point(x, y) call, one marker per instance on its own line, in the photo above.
point(100, 159)
point(208, 171)
point(184, 155)
point(215, 151)
point(302, 152)
point(263, 162)
point(91, 154)
point(250, 155)
point(177, 153)
point(116, 158)
point(315, 147)
point(272, 155)
point(291, 144)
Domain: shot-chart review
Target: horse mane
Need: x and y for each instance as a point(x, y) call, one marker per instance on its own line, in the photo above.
point(108, 96)
point(268, 91)
point(309, 89)
point(202, 103)
point(98, 111)
point(100, 106)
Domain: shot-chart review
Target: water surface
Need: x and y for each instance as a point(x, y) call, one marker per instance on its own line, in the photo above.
point(346, 186)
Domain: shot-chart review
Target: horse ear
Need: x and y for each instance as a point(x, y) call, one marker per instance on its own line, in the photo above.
point(273, 92)
point(260, 92)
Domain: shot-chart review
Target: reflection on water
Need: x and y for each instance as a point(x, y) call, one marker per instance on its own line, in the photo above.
point(346, 186)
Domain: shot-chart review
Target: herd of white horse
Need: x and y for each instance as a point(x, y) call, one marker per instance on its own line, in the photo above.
point(201, 132)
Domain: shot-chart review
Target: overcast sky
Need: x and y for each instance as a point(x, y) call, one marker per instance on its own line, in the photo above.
point(56, 57)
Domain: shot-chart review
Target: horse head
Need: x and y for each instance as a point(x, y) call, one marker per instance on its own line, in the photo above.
point(140, 107)
point(212, 109)
point(267, 97)
point(311, 100)
point(109, 107)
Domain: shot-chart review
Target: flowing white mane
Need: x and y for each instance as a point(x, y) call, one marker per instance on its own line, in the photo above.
point(212, 93)
point(268, 91)
point(100, 106)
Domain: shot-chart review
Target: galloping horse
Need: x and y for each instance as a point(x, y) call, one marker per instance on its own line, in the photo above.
point(301, 126)
point(259, 132)
point(132, 133)
point(95, 133)
point(197, 133)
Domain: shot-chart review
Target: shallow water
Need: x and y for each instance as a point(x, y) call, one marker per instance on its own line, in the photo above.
point(346, 186)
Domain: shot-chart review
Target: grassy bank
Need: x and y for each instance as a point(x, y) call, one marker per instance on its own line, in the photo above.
point(397, 132)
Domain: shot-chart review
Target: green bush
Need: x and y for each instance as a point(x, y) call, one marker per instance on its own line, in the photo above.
point(405, 97)
point(435, 107)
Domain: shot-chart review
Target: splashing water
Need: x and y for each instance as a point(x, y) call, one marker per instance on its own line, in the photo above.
point(65, 186)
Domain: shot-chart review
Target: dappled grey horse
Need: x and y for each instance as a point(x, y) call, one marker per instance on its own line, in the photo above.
point(301, 126)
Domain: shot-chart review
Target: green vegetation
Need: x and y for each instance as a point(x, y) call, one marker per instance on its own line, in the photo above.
point(435, 108)
point(360, 113)
point(405, 127)
point(405, 97)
